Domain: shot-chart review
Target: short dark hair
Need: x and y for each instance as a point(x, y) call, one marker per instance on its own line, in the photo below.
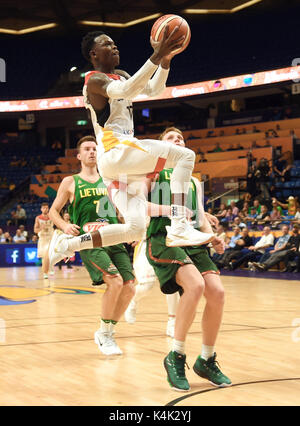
point(87, 43)
point(88, 138)
point(45, 204)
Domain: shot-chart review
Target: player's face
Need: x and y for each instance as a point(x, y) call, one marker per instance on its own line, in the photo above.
point(105, 52)
point(45, 210)
point(174, 137)
point(88, 153)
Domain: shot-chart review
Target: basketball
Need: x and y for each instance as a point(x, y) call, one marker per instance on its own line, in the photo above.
point(172, 21)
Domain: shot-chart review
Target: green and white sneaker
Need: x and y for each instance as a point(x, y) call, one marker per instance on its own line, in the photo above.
point(174, 364)
point(209, 370)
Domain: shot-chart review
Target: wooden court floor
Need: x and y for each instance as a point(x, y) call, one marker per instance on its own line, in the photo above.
point(48, 355)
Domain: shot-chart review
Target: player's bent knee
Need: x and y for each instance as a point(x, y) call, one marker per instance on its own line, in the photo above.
point(115, 282)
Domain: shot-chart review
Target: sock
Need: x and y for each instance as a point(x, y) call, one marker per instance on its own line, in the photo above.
point(177, 212)
point(207, 352)
point(81, 242)
point(105, 325)
point(112, 326)
point(178, 346)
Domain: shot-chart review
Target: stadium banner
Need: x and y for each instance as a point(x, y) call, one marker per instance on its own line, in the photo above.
point(22, 254)
point(172, 92)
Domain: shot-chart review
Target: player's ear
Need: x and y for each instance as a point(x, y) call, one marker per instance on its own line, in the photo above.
point(78, 157)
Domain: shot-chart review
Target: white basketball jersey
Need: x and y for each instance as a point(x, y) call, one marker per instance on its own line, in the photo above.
point(47, 231)
point(114, 123)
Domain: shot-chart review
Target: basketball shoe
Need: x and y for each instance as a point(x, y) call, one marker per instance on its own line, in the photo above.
point(58, 248)
point(106, 343)
point(209, 370)
point(182, 233)
point(174, 364)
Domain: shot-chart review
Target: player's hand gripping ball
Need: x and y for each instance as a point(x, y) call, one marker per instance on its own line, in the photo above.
point(172, 21)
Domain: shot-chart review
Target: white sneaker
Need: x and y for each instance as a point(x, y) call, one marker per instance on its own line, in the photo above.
point(130, 313)
point(106, 343)
point(251, 267)
point(184, 234)
point(170, 327)
point(58, 248)
point(45, 276)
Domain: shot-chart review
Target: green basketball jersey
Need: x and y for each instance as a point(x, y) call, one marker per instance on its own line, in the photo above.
point(91, 205)
point(161, 194)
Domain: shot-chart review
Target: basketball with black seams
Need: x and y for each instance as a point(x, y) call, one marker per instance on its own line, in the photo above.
point(172, 21)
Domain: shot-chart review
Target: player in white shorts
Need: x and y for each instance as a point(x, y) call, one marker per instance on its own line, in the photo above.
point(123, 160)
point(43, 226)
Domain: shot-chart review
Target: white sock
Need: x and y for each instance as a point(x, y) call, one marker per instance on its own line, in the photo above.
point(81, 242)
point(105, 326)
point(178, 346)
point(177, 212)
point(207, 352)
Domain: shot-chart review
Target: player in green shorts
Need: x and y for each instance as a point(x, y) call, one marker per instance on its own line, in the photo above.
point(191, 272)
point(91, 209)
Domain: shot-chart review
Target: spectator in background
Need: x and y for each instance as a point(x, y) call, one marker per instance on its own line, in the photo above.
point(243, 242)
point(256, 205)
point(20, 215)
point(296, 218)
point(292, 257)
point(263, 217)
point(262, 175)
point(282, 169)
point(2, 239)
point(256, 251)
point(19, 238)
point(229, 217)
point(223, 258)
point(6, 239)
point(280, 245)
point(292, 246)
point(250, 219)
point(243, 213)
point(34, 239)
point(237, 222)
point(290, 206)
point(24, 233)
point(222, 211)
point(276, 214)
point(235, 210)
point(13, 219)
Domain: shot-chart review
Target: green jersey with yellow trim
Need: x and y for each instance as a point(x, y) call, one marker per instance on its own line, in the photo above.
point(161, 194)
point(91, 207)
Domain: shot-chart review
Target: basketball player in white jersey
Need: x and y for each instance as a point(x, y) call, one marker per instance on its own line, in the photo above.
point(123, 160)
point(43, 226)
